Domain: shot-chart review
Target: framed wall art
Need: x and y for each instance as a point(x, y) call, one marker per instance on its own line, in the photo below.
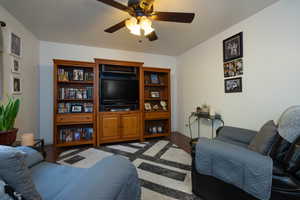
point(15, 65)
point(16, 85)
point(15, 45)
point(233, 47)
point(233, 85)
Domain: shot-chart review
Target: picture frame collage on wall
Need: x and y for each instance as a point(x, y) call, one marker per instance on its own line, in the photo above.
point(233, 63)
point(15, 45)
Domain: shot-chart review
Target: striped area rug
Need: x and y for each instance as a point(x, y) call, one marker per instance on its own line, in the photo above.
point(164, 169)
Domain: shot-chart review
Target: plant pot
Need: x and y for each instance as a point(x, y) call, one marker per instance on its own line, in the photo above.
point(8, 137)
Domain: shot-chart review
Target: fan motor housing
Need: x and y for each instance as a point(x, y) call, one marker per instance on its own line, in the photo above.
point(132, 3)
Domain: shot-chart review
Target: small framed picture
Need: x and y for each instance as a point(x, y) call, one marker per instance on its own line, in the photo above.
point(15, 45)
point(148, 107)
point(155, 94)
point(16, 85)
point(154, 78)
point(233, 47)
point(76, 108)
point(78, 75)
point(233, 85)
point(15, 65)
point(239, 67)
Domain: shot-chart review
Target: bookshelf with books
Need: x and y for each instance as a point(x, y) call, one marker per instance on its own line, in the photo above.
point(74, 103)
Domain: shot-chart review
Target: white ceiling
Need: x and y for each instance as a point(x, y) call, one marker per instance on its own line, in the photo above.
point(83, 21)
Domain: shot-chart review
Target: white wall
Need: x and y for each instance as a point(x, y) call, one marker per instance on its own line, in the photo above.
point(271, 70)
point(27, 120)
point(50, 51)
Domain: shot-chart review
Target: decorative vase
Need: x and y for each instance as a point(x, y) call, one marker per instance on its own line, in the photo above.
point(8, 137)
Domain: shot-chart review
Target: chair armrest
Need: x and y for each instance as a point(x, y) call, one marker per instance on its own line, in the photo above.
point(33, 157)
point(237, 134)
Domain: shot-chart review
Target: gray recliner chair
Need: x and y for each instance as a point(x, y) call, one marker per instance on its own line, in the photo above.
point(284, 152)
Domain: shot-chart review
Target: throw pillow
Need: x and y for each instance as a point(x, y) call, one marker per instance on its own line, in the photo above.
point(265, 138)
point(14, 171)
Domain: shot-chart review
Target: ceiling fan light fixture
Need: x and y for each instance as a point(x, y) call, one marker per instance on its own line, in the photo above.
point(146, 25)
point(136, 30)
point(133, 26)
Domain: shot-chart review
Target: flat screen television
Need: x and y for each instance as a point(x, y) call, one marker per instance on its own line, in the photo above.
point(118, 91)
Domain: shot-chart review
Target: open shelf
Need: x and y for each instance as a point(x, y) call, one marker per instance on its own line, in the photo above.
point(74, 79)
point(156, 120)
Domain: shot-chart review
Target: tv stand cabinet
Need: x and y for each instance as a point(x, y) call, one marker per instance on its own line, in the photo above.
point(119, 126)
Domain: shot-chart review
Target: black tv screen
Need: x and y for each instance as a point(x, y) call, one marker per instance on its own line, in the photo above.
point(119, 90)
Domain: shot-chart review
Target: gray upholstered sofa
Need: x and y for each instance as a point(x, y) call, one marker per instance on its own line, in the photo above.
point(113, 178)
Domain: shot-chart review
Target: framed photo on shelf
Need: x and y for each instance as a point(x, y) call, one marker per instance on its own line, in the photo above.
point(233, 85)
point(16, 85)
point(78, 75)
point(15, 45)
point(15, 65)
point(76, 108)
point(233, 47)
point(154, 94)
point(154, 78)
point(148, 107)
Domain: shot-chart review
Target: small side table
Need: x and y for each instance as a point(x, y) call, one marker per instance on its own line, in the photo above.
point(212, 119)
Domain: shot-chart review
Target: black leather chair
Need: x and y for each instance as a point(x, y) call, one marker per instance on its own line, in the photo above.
point(285, 183)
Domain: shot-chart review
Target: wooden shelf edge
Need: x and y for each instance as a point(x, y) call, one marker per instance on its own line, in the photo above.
point(147, 135)
point(74, 143)
point(155, 85)
point(76, 82)
point(74, 123)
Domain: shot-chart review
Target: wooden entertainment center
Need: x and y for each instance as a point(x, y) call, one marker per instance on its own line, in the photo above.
point(109, 101)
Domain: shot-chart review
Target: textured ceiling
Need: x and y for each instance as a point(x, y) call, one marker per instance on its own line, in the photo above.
point(83, 21)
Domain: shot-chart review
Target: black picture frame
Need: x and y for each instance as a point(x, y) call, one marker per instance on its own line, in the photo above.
point(233, 85)
point(15, 45)
point(233, 47)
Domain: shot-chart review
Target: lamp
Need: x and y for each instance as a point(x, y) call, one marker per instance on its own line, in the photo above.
point(133, 26)
point(27, 139)
point(146, 25)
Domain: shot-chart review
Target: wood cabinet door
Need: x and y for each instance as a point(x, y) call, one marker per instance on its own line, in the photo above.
point(130, 125)
point(109, 127)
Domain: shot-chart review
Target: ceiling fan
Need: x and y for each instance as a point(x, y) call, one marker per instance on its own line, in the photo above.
point(142, 13)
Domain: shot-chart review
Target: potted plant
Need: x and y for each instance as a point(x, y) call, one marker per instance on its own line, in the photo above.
point(8, 114)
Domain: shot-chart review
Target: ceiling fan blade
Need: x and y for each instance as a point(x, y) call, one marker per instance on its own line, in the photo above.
point(152, 36)
point(116, 27)
point(116, 5)
point(173, 17)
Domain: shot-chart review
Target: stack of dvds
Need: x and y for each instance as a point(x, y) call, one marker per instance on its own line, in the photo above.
point(76, 93)
point(75, 134)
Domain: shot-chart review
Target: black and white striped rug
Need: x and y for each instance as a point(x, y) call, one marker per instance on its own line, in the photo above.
point(164, 169)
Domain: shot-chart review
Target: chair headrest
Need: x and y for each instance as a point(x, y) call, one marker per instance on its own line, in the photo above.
point(289, 124)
